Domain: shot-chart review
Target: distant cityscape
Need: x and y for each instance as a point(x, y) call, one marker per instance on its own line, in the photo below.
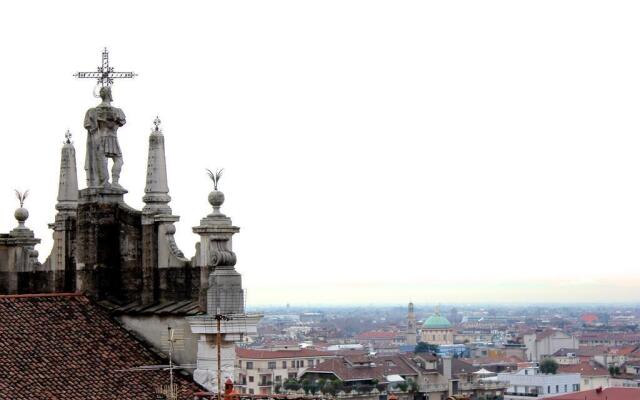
point(473, 352)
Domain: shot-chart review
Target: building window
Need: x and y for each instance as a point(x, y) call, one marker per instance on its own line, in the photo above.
point(557, 388)
point(271, 365)
point(278, 378)
point(284, 364)
point(301, 363)
point(249, 364)
point(565, 388)
point(250, 391)
point(250, 378)
point(292, 375)
point(310, 363)
point(549, 389)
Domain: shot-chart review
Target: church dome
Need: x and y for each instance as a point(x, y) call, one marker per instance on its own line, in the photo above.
point(436, 321)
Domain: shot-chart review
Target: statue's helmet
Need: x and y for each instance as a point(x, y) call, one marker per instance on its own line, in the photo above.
point(105, 93)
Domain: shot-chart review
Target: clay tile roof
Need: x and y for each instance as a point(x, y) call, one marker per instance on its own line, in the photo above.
point(63, 346)
point(563, 352)
point(590, 351)
point(624, 351)
point(613, 393)
point(545, 333)
point(254, 354)
point(372, 335)
point(379, 368)
point(584, 369)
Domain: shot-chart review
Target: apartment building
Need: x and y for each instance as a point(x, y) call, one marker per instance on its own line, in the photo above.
point(259, 371)
point(529, 383)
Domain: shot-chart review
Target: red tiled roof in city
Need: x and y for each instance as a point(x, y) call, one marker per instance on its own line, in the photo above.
point(377, 335)
point(584, 369)
point(63, 346)
point(378, 368)
point(589, 318)
point(623, 351)
point(613, 393)
point(254, 354)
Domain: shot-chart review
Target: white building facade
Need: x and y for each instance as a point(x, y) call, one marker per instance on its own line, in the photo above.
point(529, 383)
point(541, 344)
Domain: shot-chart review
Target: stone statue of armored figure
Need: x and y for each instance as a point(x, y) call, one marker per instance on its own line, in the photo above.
point(102, 123)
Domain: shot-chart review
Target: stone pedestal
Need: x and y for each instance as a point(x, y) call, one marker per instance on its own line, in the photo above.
point(102, 195)
point(224, 298)
point(108, 246)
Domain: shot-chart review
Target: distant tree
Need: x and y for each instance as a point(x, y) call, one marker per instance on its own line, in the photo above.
point(291, 384)
point(614, 370)
point(328, 387)
point(403, 386)
point(423, 347)
point(306, 385)
point(277, 387)
point(548, 366)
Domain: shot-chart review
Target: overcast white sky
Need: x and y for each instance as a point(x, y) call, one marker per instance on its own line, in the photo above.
point(375, 151)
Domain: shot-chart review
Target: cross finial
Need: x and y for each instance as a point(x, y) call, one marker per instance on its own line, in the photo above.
point(67, 137)
point(105, 74)
point(156, 125)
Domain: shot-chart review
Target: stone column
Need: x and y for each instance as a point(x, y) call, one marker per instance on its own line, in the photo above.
point(18, 257)
point(222, 296)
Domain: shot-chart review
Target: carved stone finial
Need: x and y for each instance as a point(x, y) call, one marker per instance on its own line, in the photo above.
point(22, 196)
point(67, 137)
point(21, 216)
point(216, 197)
point(215, 177)
point(156, 126)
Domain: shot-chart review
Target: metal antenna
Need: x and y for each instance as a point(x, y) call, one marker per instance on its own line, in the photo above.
point(172, 340)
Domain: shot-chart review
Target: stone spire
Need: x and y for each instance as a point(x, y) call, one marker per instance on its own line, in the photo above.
point(156, 197)
point(68, 183)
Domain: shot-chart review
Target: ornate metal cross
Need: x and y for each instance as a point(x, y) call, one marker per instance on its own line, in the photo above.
point(105, 74)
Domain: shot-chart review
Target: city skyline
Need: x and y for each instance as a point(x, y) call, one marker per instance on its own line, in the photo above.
point(379, 155)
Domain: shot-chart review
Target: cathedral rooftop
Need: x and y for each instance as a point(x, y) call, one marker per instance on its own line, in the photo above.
point(436, 321)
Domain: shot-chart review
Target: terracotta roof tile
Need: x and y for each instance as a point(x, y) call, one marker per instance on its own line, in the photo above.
point(614, 393)
point(380, 367)
point(377, 335)
point(584, 369)
point(66, 347)
point(256, 354)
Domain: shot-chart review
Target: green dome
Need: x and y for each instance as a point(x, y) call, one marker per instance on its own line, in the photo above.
point(436, 322)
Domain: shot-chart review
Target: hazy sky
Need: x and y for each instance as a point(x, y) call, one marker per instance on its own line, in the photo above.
point(374, 151)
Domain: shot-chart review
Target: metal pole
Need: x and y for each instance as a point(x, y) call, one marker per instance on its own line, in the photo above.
point(219, 344)
point(171, 360)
